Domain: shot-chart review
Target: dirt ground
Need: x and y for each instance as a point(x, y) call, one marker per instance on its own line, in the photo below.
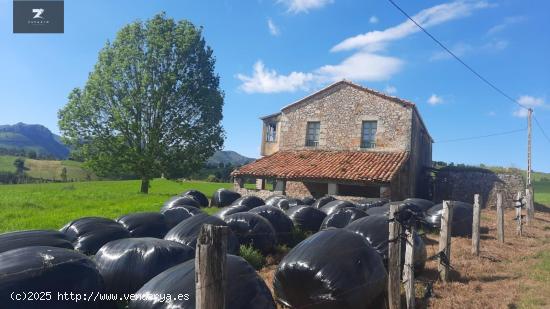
point(512, 275)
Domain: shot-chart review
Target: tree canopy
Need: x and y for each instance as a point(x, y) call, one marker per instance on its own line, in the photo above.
point(152, 104)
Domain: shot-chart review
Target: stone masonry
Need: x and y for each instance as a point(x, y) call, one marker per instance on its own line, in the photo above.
point(341, 111)
point(461, 185)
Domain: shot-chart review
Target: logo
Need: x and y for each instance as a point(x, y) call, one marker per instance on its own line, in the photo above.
point(38, 13)
point(38, 16)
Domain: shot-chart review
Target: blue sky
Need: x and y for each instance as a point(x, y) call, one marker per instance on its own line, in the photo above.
point(271, 53)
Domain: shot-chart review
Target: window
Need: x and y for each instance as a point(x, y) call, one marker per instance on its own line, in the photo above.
point(271, 132)
point(312, 133)
point(368, 134)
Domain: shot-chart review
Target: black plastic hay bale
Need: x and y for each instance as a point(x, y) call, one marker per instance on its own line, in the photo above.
point(342, 217)
point(198, 196)
point(173, 216)
point(421, 203)
point(279, 220)
point(306, 218)
point(408, 209)
point(323, 201)
point(367, 203)
point(40, 269)
point(308, 200)
point(21, 239)
point(187, 232)
point(293, 202)
point(333, 268)
point(229, 210)
point(223, 197)
point(179, 201)
point(127, 264)
point(279, 201)
point(145, 224)
point(335, 205)
point(375, 230)
point(253, 230)
point(462, 218)
point(250, 201)
point(245, 288)
point(88, 234)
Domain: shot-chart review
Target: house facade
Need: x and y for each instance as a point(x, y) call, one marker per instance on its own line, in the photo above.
point(344, 140)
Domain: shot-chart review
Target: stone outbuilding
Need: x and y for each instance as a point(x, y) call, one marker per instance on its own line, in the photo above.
point(344, 140)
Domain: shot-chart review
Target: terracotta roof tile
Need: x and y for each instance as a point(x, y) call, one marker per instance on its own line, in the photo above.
point(361, 166)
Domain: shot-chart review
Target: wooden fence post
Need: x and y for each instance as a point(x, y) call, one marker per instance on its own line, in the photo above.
point(408, 270)
point(500, 218)
point(529, 205)
point(210, 272)
point(475, 225)
point(519, 221)
point(394, 260)
point(445, 240)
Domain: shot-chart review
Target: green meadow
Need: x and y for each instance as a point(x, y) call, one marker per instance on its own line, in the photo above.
point(51, 205)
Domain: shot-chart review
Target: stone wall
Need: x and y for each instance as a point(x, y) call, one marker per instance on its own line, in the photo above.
point(461, 185)
point(341, 111)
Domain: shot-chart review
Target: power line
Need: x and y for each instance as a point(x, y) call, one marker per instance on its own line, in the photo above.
point(486, 81)
point(480, 136)
point(541, 129)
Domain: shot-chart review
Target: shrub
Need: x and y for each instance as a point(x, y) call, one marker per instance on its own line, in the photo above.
point(212, 178)
point(298, 235)
point(252, 256)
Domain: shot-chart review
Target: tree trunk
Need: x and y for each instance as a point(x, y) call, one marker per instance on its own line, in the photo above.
point(145, 185)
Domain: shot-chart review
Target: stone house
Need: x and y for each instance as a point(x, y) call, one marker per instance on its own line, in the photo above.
point(344, 140)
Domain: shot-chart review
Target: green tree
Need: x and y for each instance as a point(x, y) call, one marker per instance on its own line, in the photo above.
point(64, 174)
point(32, 154)
point(19, 164)
point(151, 105)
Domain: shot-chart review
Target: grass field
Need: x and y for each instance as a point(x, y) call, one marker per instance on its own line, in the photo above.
point(51, 205)
point(47, 169)
point(542, 192)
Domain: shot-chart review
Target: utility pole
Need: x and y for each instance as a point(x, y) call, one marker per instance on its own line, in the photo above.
point(530, 113)
point(529, 196)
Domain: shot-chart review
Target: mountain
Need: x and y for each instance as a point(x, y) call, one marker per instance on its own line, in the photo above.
point(35, 137)
point(228, 156)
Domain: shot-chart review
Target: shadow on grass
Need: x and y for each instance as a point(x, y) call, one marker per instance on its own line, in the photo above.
point(542, 208)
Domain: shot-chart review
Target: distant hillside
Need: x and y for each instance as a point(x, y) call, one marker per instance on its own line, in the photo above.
point(48, 169)
point(228, 156)
point(32, 137)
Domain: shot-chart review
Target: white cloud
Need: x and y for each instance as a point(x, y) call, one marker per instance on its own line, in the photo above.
point(359, 67)
point(428, 17)
point(508, 21)
point(269, 81)
point(528, 101)
point(373, 19)
point(434, 99)
point(303, 6)
point(273, 29)
point(390, 89)
point(365, 64)
point(362, 66)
